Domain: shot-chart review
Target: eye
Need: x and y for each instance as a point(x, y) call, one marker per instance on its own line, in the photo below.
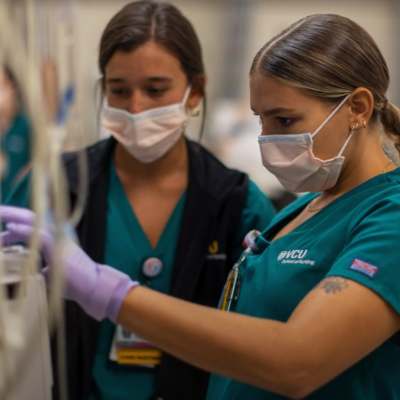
point(285, 122)
point(120, 92)
point(156, 91)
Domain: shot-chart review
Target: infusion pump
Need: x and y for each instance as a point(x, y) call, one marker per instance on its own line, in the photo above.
point(25, 367)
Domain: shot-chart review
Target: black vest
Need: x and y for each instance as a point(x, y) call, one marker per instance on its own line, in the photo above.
point(215, 199)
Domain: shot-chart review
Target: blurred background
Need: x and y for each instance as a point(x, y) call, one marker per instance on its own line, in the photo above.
point(231, 31)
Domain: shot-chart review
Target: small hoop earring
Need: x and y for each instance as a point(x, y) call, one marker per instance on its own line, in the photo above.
point(364, 123)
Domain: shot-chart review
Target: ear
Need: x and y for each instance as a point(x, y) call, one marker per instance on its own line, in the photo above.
point(197, 93)
point(362, 105)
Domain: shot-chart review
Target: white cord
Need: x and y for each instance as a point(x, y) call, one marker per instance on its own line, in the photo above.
point(48, 181)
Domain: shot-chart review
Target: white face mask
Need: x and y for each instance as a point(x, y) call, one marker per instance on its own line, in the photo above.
point(291, 159)
point(150, 134)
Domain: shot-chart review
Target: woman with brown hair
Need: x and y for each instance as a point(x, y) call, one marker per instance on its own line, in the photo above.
point(160, 208)
point(316, 297)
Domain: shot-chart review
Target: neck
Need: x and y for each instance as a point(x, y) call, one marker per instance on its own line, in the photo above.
point(367, 160)
point(174, 161)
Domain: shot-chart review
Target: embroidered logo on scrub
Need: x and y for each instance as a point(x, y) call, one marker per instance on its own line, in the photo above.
point(297, 256)
point(213, 247)
point(364, 267)
point(213, 250)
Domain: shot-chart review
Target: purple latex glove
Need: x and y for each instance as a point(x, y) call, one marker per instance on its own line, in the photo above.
point(98, 289)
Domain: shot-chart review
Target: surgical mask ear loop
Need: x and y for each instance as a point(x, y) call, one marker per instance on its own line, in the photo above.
point(330, 116)
point(186, 96)
point(341, 151)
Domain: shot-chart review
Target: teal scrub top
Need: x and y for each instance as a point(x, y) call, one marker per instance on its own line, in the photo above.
point(127, 247)
point(15, 146)
point(355, 237)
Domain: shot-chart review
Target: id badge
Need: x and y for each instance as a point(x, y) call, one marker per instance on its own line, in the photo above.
point(130, 349)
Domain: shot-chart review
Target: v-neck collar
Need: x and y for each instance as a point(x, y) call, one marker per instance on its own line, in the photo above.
point(132, 223)
point(298, 206)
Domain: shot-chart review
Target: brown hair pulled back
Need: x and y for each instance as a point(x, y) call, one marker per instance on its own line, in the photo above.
point(329, 56)
point(142, 21)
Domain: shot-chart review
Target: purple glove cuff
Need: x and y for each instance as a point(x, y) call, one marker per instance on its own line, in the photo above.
point(108, 293)
point(118, 297)
point(98, 289)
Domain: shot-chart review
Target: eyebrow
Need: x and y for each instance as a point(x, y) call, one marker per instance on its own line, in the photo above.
point(274, 111)
point(153, 79)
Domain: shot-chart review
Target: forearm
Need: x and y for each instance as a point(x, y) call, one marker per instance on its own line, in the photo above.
point(257, 351)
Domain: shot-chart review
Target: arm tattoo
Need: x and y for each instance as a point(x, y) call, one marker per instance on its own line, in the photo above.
point(333, 285)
